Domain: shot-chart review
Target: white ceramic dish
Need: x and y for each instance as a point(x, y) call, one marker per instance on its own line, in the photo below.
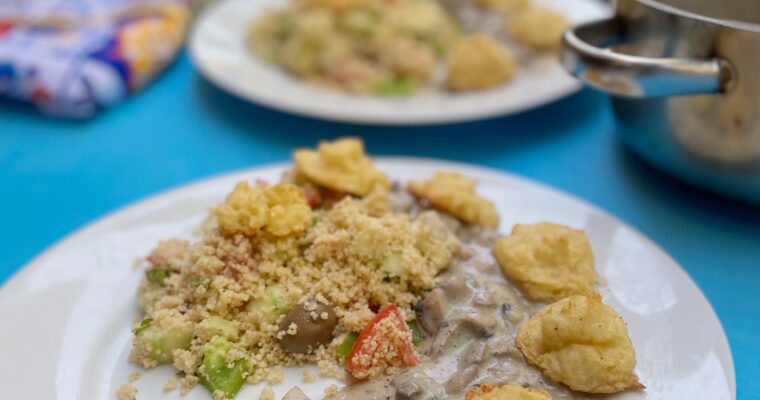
point(218, 47)
point(66, 317)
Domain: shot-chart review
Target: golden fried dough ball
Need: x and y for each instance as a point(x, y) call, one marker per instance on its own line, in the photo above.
point(581, 342)
point(506, 392)
point(478, 62)
point(538, 28)
point(547, 261)
point(341, 165)
point(455, 194)
point(504, 5)
point(278, 210)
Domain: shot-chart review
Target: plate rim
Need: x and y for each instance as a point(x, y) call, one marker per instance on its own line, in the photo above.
point(174, 191)
point(570, 87)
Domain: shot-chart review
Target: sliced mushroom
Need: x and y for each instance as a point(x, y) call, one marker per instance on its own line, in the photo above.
point(314, 324)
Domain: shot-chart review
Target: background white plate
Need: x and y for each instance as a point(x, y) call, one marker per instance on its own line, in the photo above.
point(218, 47)
point(66, 317)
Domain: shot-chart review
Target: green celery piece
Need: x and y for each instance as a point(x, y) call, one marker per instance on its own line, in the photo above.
point(157, 275)
point(218, 372)
point(345, 348)
point(417, 335)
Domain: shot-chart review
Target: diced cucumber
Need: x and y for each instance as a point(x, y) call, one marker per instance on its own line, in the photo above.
point(271, 305)
point(395, 86)
point(218, 372)
point(417, 335)
point(158, 344)
point(392, 265)
point(157, 275)
point(218, 326)
point(348, 343)
point(148, 296)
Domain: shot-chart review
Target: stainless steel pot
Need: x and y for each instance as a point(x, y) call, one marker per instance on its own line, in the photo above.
point(685, 80)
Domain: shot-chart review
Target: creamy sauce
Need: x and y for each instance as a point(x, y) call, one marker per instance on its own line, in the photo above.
point(470, 320)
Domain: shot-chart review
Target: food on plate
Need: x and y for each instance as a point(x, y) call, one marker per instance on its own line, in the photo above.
point(341, 166)
point(547, 261)
point(538, 28)
point(506, 392)
point(506, 6)
point(373, 283)
point(363, 46)
point(478, 62)
point(395, 48)
point(455, 194)
point(582, 343)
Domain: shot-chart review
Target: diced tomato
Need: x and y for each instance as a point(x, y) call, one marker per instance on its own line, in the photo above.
point(313, 198)
point(234, 272)
point(364, 349)
point(5, 27)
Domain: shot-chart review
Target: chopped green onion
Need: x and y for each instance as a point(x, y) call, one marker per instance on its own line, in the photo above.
point(157, 275)
point(417, 335)
point(345, 348)
point(144, 324)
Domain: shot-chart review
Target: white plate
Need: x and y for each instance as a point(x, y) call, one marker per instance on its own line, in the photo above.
point(217, 45)
point(66, 317)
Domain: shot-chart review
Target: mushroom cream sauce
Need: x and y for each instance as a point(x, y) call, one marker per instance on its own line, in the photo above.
point(470, 320)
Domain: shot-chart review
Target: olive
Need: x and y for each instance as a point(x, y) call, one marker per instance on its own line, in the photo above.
point(310, 332)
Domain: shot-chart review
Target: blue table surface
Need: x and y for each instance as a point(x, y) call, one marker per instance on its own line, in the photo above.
point(57, 175)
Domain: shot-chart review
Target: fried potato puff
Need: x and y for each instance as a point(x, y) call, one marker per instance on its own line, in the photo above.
point(547, 261)
point(279, 210)
point(479, 62)
point(506, 392)
point(341, 165)
point(580, 342)
point(455, 194)
point(538, 28)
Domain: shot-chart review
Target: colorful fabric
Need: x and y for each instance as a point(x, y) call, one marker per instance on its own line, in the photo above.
point(75, 57)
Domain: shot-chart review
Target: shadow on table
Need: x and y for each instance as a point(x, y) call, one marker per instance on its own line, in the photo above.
point(457, 141)
point(657, 186)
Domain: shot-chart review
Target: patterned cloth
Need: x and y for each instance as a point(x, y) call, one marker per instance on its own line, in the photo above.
point(74, 57)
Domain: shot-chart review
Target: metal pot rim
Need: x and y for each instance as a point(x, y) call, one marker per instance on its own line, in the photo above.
point(740, 25)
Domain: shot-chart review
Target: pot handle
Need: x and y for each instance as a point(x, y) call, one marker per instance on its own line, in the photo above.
point(636, 76)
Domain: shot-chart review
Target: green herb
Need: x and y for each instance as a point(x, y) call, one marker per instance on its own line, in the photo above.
point(197, 282)
point(395, 86)
point(286, 27)
point(433, 43)
point(417, 335)
point(144, 324)
point(157, 275)
point(345, 348)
